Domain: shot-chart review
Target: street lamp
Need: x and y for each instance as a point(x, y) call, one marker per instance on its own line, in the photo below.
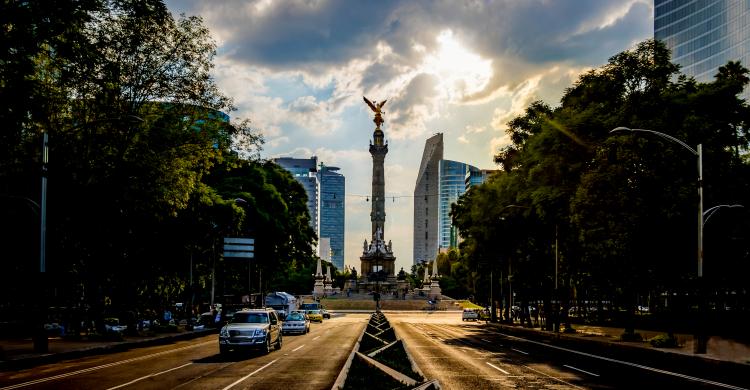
point(696, 152)
point(711, 211)
point(700, 339)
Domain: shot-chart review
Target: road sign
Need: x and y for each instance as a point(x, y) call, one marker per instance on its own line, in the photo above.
point(239, 247)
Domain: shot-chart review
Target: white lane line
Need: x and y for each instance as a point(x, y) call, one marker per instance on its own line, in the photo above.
point(498, 368)
point(316, 337)
point(298, 348)
point(249, 375)
point(665, 372)
point(519, 351)
point(148, 376)
point(552, 377)
point(578, 369)
point(486, 341)
point(90, 369)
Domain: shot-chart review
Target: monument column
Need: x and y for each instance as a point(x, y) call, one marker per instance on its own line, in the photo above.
point(378, 254)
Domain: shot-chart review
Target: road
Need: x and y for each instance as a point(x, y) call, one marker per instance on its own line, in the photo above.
point(471, 355)
point(461, 355)
point(314, 360)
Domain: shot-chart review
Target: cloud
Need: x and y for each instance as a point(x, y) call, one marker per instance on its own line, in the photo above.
point(298, 69)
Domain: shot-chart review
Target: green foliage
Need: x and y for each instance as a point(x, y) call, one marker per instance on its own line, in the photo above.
point(613, 214)
point(664, 341)
point(631, 336)
point(145, 164)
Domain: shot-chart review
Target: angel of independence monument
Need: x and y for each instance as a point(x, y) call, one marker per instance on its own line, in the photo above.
point(377, 263)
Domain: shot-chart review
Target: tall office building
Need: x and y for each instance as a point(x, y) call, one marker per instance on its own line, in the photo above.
point(305, 171)
point(704, 34)
point(452, 185)
point(332, 212)
point(426, 201)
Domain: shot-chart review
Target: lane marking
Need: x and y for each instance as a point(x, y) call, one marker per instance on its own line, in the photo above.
point(148, 376)
point(486, 341)
point(519, 351)
point(552, 377)
point(578, 369)
point(498, 368)
point(96, 368)
point(316, 337)
point(665, 372)
point(249, 375)
point(298, 348)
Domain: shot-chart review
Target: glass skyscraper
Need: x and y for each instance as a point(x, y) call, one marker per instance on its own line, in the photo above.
point(452, 185)
point(704, 34)
point(305, 171)
point(332, 211)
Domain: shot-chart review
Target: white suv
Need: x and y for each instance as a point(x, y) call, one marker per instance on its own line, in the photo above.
point(469, 315)
point(251, 328)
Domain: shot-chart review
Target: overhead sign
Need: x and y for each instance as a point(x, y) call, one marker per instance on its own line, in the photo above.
point(239, 247)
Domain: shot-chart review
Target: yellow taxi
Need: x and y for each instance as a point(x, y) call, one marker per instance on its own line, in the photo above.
point(314, 315)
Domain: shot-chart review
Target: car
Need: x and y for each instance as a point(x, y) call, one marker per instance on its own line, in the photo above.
point(112, 324)
point(469, 315)
point(251, 329)
point(296, 322)
point(325, 313)
point(314, 315)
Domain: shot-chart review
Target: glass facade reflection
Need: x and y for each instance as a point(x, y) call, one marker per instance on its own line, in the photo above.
point(452, 185)
point(332, 211)
point(704, 34)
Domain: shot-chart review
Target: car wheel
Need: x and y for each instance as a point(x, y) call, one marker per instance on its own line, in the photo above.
point(223, 349)
point(278, 342)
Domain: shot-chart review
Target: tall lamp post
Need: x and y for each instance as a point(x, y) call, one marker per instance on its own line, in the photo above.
point(701, 341)
point(696, 152)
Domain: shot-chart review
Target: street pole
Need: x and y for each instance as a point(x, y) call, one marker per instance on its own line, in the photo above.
point(701, 340)
point(41, 344)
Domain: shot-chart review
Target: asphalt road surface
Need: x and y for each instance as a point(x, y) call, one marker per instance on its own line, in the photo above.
point(461, 355)
point(310, 361)
point(470, 355)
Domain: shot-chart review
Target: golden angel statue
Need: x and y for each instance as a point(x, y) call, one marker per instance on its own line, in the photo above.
point(377, 108)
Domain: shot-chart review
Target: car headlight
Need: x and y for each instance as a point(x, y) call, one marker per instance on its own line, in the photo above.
point(224, 332)
point(260, 332)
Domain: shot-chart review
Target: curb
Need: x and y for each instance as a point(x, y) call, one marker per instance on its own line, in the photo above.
point(36, 360)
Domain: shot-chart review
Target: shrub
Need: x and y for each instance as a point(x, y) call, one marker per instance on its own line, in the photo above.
point(664, 341)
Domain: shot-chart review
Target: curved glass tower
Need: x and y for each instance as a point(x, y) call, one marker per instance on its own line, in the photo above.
point(704, 34)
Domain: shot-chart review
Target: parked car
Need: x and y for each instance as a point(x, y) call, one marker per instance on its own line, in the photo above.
point(314, 315)
point(469, 315)
point(296, 322)
point(251, 329)
point(112, 324)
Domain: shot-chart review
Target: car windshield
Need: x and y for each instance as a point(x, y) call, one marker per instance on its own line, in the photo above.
point(250, 318)
point(295, 317)
point(313, 312)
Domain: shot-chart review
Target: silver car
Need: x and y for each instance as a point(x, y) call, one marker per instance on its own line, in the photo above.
point(251, 329)
point(296, 322)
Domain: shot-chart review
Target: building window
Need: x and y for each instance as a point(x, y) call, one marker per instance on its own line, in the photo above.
point(425, 235)
point(425, 224)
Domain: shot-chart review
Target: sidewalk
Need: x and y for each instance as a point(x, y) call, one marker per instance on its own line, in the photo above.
point(16, 353)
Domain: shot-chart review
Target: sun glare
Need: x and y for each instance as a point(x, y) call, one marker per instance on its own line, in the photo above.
point(460, 71)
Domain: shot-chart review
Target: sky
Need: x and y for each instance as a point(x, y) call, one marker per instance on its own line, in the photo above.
point(298, 70)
